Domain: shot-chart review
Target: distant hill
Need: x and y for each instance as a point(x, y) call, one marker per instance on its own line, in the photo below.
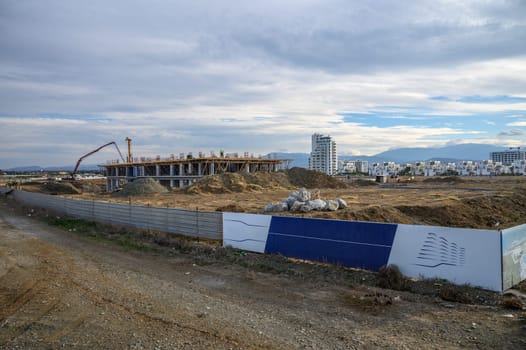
point(29, 168)
point(34, 168)
point(300, 160)
point(469, 151)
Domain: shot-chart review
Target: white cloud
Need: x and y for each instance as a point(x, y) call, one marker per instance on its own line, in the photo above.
point(520, 123)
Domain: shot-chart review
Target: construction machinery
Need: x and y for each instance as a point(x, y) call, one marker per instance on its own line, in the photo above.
point(74, 172)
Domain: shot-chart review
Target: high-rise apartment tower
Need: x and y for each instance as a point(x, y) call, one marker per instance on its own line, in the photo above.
point(323, 157)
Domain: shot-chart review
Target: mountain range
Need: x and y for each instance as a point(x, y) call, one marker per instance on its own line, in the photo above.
point(452, 153)
point(469, 151)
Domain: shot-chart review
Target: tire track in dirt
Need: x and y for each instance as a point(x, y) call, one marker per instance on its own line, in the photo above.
point(101, 301)
point(22, 309)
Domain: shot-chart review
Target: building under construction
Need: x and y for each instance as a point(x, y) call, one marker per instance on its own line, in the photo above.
point(184, 170)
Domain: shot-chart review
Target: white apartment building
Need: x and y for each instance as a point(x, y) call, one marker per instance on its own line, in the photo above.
point(362, 166)
point(384, 169)
point(323, 157)
point(353, 166)
point(509, 156)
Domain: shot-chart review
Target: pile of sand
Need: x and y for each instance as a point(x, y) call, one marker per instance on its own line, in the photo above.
point(239, 182)
point(141, 186)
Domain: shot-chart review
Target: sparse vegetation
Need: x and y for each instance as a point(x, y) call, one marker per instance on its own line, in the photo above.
point(455, 293)
point(390, 277)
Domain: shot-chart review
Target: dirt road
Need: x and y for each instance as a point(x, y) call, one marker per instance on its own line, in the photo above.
point(61, 290)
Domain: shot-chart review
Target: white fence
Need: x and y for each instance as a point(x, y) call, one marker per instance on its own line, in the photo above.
point(185, 222)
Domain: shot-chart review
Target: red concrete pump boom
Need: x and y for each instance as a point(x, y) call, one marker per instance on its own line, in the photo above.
point(94, 151)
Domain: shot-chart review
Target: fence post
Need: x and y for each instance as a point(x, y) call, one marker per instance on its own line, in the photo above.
point(197, 221)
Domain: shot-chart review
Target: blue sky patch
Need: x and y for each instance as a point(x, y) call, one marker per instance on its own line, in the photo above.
point(472, 124)
point(482, 99)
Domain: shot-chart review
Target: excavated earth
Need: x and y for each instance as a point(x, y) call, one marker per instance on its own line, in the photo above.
point(476, 202)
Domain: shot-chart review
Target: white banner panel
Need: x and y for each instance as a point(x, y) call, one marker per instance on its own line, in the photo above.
point(246, 231)
point(458, 255)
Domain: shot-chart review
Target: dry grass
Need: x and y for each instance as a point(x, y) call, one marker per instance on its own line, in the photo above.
point(458, 294)
point(390, 277)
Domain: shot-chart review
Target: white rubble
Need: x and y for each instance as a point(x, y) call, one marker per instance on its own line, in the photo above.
point(303, 201)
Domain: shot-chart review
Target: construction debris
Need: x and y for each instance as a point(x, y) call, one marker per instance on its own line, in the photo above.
point(302, 201)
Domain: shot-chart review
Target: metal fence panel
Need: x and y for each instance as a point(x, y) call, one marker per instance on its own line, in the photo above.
point(181, 221)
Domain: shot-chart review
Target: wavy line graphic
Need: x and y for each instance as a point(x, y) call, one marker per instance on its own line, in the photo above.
point(244, 240)
point(244, 223)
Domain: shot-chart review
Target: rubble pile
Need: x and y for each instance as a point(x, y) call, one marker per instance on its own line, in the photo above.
point(305, 201)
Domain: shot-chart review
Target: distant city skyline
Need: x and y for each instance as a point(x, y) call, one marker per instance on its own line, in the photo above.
point(242, 76)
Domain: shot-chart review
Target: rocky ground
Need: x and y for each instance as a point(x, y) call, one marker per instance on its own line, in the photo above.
point(73, 284)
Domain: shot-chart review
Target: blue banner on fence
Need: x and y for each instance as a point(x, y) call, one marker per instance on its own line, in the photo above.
point(357, 244)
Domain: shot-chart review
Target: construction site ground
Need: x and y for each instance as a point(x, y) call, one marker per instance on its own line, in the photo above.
point(67, 283)
point(70, 284)
point(470, 202)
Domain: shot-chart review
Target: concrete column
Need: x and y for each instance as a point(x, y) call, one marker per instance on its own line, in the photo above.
point(157, 170)
point(116, 171)
point(199, 169)
point(248, 168)
point(171, 183)
point(190, 168)
point(181, 169)
point(171, 170)
point(212, 168)
point(181, 183)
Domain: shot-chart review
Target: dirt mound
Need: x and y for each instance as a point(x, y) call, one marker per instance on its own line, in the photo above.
point(59, 188)
point(141, 186)
point(301, 177)
point(239, 182)
point(243, 182)
point(486, 212)
point(374, 213)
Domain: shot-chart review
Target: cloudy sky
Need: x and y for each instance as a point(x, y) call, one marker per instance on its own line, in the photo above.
point(190, 76)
